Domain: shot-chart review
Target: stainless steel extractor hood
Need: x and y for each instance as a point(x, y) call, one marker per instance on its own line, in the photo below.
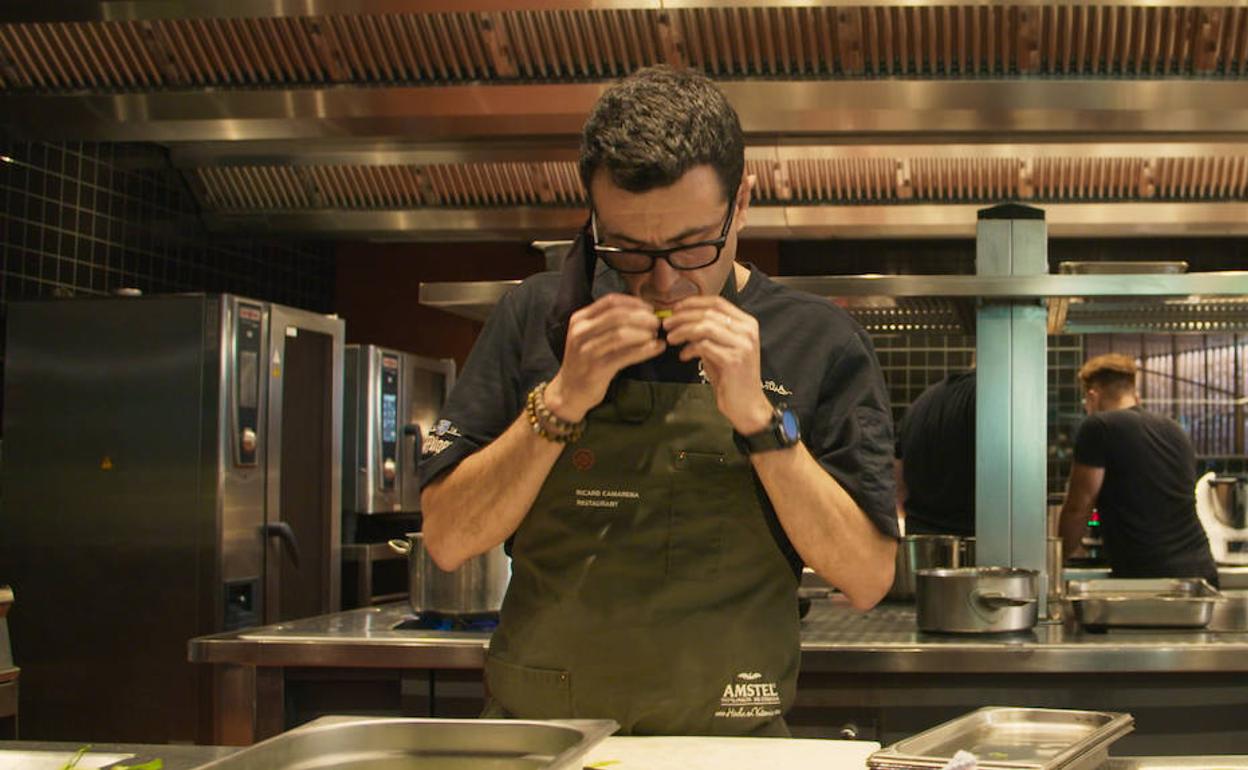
point(1213, 302)
point(433, 120)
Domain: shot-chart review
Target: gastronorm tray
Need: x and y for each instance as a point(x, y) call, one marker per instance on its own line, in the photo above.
point(354, 743)
point(1006, 738)
point(1142, 602)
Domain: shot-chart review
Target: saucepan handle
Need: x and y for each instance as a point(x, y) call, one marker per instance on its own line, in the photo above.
point(400, 546)
point(999, 601)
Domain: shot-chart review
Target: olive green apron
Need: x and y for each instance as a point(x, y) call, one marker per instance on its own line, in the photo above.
point(646, 585)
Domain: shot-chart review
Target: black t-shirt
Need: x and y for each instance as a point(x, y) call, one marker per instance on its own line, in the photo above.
point(936, 443)
point(815, 358)
point(1147, 502)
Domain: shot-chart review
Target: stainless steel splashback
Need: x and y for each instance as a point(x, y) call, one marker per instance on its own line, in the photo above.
point(391, 399)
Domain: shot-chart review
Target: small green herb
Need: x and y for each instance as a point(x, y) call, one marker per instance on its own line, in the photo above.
point(155, 764)
point(78, 755)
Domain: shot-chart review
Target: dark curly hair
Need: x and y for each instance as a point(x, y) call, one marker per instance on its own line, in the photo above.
point(650, 128)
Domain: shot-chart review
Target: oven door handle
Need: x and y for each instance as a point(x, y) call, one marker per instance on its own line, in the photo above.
point(413, 430)
point(282, 531)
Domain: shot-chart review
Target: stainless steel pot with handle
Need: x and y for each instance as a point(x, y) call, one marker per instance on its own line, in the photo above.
point(475, 588)
point(916, 552)
point(976, 600)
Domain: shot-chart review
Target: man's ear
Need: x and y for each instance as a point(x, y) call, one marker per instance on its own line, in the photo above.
point(744, 193)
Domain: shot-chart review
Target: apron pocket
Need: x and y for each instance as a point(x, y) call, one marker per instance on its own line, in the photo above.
point(529, 693)
point(695, 540)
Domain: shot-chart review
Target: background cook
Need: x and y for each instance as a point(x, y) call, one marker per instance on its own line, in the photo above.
point(935, 463)
point(1138, 469)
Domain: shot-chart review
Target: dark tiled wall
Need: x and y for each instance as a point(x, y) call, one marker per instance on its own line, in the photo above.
point(912, 362)
point(92, 218)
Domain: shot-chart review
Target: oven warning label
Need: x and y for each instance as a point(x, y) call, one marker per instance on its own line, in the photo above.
point(748, 697)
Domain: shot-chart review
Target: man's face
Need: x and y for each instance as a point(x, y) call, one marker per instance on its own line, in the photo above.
point(690, 210)
point(1091, 401)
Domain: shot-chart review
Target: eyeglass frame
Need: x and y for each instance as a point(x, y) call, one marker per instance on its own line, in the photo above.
point(666, 253)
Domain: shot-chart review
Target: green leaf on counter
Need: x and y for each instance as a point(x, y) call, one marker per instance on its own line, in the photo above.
point(74, 760)
point(155, 764)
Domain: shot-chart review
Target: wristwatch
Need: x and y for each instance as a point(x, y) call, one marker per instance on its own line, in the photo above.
point(781, 433)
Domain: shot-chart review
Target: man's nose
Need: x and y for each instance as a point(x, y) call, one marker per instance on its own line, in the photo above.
point(663, 276)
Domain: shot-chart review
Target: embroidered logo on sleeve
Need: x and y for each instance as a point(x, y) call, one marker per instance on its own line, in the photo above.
point(776, 387)
point(445, 428)
point(439, 438)
point(748, 697)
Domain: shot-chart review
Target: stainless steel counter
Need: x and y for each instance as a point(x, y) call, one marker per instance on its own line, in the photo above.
point(834, 638)
point(874, 670)
point(364, 637)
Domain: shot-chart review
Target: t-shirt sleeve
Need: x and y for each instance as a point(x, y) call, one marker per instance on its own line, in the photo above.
point(853, 433)
point(900, 439)
point(1090, 443)
point(484, 401)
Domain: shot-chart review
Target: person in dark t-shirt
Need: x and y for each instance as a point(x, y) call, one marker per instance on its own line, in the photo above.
point(1138, 469)
point(936, 459)
point(664, 436)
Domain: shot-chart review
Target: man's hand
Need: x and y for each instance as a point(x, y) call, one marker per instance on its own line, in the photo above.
point(614, 332)
point(725, 337)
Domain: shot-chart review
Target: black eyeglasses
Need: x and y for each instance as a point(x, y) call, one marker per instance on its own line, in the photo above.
point(689, 256)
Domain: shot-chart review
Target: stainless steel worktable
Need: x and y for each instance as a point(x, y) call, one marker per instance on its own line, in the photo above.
point(870, 674)
point(834, 638)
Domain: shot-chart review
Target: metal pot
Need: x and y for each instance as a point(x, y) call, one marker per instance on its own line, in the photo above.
point(475, 588)
point(1053, 556)
point(916, 552)
point(976, 600)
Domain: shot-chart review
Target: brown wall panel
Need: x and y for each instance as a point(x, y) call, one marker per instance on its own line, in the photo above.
point(378, 286)
point(765, 255)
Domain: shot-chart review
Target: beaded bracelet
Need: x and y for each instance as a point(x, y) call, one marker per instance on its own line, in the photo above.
point(546, 423)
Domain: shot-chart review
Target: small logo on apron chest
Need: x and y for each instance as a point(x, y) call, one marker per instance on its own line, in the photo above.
point(583, 459)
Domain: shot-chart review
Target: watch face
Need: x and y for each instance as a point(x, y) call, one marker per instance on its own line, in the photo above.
point(788, 426)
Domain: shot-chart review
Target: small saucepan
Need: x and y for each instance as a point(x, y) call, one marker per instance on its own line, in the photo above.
point(976, 600)
point(475, 588)
point(916, 552)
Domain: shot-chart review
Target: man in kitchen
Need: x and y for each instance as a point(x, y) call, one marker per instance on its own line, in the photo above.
point(935, 464)
point(663, 436)
point(1138, 469)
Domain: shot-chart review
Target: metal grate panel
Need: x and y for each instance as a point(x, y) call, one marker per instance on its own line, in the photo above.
point(803, 179)
point(1210, 315)
point(458, 185)
point(912, 41)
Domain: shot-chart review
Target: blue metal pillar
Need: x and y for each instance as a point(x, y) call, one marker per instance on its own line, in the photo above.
point(1011, 436)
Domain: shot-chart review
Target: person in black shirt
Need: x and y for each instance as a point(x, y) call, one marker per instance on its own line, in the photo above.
point(936, 459)
point(631, 429)
point(1138, 469)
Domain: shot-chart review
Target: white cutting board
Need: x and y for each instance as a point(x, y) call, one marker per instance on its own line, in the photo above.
point(698, 753)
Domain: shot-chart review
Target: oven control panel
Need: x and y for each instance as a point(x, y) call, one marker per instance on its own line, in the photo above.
point(247, 382)
point(388, 415)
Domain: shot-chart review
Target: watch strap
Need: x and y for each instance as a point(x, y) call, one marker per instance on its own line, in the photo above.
point(770, 438)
